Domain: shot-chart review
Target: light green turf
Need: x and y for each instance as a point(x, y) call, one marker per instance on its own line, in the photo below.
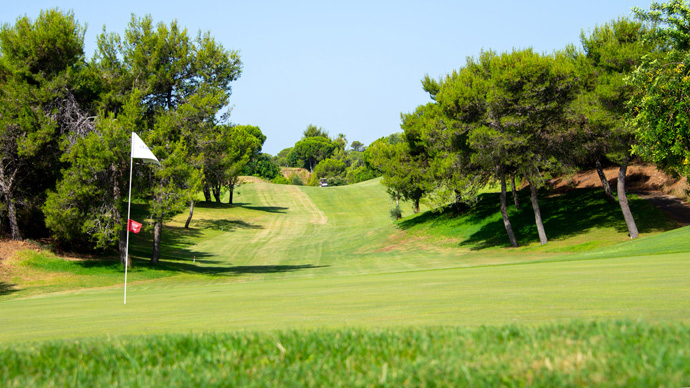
point(647, 287)
point(301, 257)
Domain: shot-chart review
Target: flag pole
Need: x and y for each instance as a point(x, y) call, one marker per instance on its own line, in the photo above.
point(129, 206)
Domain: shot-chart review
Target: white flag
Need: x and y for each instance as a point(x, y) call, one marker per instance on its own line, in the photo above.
point(141, 151)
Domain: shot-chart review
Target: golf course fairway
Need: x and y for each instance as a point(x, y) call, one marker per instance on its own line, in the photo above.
point(289, 257)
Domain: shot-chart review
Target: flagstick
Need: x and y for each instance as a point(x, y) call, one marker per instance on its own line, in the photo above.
point(129, 206)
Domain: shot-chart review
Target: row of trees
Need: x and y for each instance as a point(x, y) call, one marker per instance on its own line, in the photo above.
point(66, 123)
point(529, 115)
point(327, 158)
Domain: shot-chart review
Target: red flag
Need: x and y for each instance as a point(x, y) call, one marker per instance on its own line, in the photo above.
point(133, 226)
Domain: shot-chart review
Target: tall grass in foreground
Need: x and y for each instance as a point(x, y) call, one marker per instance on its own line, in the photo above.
point(576, 354)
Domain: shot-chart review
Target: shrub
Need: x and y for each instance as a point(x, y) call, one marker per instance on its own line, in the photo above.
point(396, 213)
point(360, 174)
point(281, 180)
point(337, 181)
point(329, 168)
point(296, 180)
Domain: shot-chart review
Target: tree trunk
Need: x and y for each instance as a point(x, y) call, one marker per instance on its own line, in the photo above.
point(191, 213)
point(207, 193)
point(157, 231)
point(514, 190)
point(231, 189)
point(504, 210)
point(216, 193)
point(122, 247)
point(623, 200)
point(117, 216)
point(12, 215)
point(605, 183)
point(416, 206)
point(7, 183)
point(537, 212)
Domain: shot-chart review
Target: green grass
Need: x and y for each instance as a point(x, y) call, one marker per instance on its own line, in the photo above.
point(328, 267)
point(651, 288)
point(621, 353)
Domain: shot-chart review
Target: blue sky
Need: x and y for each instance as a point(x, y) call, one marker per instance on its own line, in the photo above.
point(348, 66)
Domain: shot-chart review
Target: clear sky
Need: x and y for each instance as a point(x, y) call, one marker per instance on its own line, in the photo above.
point(348, 66)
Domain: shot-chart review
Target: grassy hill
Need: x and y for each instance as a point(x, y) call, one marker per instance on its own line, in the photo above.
point(323, 263)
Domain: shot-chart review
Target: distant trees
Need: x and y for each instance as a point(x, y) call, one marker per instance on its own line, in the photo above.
point(312, 150)
point(327, 158)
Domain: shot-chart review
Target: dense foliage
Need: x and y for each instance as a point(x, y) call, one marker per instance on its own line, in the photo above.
point(65, 126)
point(524, 116)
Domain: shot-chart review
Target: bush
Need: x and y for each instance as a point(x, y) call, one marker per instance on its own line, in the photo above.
point(313, 180)
point(263, 167)
point(281, 180)
point(360, 174)
point(296, 180)
point(337, 181)
point(396, 213)
point(329, 168)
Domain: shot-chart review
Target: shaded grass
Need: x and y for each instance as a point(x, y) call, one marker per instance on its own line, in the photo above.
point(569, 216)
point(579, 353)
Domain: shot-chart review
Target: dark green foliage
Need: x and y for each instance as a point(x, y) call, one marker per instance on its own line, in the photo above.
point(280, 180)
point(360, 174)
point(312, 150)
point(282, 158)
point(336, 181)
point(659, 107)
point(296, 180)
point(262, 166)
point(314, 131)
point(597, 353)
point(357, 146)
point(396, 213)
point(329, 168)
point(41, 65)
point(404, 172)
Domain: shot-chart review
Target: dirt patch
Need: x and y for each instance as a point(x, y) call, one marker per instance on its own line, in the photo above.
point(642, 177)
point(251, 179)
point(302, 173)
point(644, 180)
point(9, 248)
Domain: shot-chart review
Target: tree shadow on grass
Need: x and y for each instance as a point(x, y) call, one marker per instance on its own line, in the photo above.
point(7, 288)
point(268, 209)
point(215, 205)
point(566, 215)
point(228, 270)
point(226, 225)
